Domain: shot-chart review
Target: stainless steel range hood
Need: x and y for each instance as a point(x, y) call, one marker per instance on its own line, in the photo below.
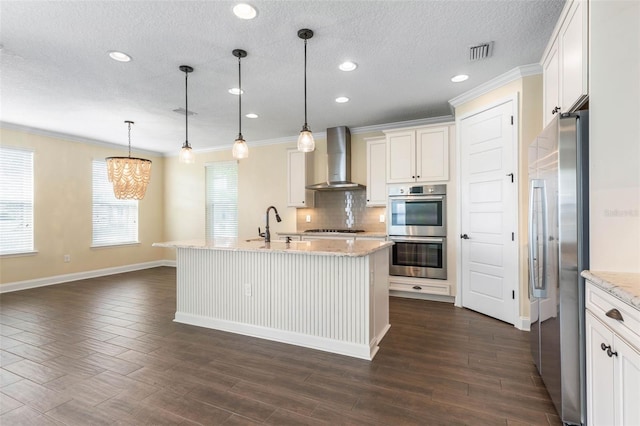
point(338, 162)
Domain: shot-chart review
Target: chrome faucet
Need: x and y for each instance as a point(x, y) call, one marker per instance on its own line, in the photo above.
point(267, 234)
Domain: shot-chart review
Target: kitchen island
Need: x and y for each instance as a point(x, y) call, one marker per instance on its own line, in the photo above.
point(330, 295)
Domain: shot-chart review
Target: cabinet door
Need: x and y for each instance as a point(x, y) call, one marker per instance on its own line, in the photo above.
point(551, 83)
point(627, 382)
point(600, 373)
point(401, 157)
point(573, 40)
point(299, 169)
point(376, 172)
point(432, 154)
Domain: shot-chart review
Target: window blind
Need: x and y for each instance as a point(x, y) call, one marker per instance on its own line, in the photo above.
point(114, 221)
point(16, 200)
point(222, 199)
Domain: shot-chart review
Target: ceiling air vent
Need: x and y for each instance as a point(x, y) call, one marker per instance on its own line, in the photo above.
point(181, 111)
point(480, 51)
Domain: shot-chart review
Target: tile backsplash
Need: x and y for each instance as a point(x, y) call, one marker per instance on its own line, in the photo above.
point(341, 210)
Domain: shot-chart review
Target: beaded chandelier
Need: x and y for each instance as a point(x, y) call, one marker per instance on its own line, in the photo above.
point(129, 175)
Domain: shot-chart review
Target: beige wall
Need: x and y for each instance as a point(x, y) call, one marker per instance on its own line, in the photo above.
point(614, 139)
point(529, 92)
point(62, 211)
point(262, 181)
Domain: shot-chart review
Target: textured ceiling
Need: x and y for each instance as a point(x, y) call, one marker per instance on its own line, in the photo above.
point(56, 74)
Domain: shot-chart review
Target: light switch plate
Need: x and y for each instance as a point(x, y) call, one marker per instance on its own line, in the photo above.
point(382, 218)
point(308, 219)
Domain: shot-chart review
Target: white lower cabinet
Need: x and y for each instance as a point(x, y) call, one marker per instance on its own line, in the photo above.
point(613, 361)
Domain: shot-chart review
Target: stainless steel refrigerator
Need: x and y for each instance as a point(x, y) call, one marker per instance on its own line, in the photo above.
point(558, 252)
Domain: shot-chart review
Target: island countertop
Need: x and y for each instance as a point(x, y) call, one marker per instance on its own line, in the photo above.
point(328, 247)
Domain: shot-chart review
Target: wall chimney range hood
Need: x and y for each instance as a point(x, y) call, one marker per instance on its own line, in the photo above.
point(338, 162)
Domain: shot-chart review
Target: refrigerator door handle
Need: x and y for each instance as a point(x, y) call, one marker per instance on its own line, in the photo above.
point(538, 288)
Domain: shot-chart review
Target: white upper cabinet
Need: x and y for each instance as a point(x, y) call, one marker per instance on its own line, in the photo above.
point(418, 155)
point(376, 172)
point(565, 62)
point(299, 173)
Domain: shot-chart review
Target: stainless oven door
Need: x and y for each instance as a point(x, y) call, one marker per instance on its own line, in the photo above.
point(419, 215)
point(419, 257)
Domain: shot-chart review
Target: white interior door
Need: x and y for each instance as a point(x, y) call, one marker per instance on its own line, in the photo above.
point(488, 172)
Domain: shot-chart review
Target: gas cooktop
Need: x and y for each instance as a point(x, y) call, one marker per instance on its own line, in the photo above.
point(341, 231)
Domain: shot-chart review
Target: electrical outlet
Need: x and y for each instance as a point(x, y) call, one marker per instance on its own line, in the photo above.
point(308, 218)
point(247, 290)
point(67, 258)
point(381, 218)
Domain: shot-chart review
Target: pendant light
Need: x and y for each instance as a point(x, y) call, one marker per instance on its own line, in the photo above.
point(129, 175)
point(240, 148)
point(305, 140)
point(186, 153)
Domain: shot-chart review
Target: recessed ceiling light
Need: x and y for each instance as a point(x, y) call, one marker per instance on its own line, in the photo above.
point(348, 66)
point(459, 78)
point(251, 115)
point(342, 99)
point(244, 11)
point(236, 91)
point(119, 56)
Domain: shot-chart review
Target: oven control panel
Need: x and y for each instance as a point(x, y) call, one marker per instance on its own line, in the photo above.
point(417, 190)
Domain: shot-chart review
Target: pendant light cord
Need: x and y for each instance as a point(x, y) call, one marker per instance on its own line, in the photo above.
point(239, 100)
point(305, 83)
point(186, 110)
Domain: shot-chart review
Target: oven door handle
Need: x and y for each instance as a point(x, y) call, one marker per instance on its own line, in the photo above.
point(416, 197)
point(417, 239)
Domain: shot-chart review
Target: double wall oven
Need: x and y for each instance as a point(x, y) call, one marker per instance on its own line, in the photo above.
point(417, 224)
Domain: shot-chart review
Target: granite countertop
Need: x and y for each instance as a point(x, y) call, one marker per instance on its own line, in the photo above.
point(622, 285)
point(340, 234)
point(328, 247)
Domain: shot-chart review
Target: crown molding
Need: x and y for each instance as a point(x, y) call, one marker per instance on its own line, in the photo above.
point(323, 135)
point(72, 138)
point(512, 75)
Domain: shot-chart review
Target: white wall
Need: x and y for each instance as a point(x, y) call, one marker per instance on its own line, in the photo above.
point(614, 103)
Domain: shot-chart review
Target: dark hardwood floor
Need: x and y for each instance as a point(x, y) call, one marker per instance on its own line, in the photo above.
point(106, 351)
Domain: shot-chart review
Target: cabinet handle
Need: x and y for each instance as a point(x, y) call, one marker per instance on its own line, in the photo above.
point(417, 287)
point(413, 177)
point(302, 201)
point(615, 314)
point(418, 176)
point(607, 348)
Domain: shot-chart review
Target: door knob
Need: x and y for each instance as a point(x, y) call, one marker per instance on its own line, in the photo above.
point(465, 237)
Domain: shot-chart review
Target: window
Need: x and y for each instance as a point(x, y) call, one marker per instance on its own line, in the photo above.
point(16, 200)
point(222, 199)
point(114, 221)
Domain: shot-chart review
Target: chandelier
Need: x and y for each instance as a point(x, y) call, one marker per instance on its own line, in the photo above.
point(129, 175)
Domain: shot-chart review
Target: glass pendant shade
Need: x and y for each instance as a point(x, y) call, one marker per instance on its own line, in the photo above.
point(306, 143)
point(129, 175)
point(240, 148)
point(186, 155)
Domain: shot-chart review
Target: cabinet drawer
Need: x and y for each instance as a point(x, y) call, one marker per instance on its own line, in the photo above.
point(600, 302)
point(443, 289)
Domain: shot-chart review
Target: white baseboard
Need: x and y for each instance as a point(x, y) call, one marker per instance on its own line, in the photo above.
point(314, 342)
point(60, 279)
point(523, 323)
